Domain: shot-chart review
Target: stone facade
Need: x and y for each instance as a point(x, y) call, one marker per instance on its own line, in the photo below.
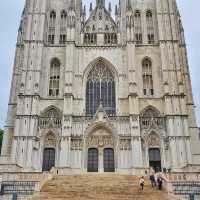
point(55, 120)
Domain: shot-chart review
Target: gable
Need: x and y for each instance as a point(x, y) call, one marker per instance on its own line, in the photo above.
point(100, 21)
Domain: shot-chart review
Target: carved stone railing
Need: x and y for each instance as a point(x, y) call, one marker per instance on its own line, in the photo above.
point(45, 123)
point(183, 185)
point(155, 122)
point(22, 185)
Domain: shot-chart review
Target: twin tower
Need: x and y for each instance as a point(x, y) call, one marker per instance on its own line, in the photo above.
point(100, 92)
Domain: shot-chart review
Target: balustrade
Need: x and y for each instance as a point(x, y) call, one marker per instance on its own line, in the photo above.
point(50, 122)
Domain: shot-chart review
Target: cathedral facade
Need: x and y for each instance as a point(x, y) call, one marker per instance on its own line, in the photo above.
point(100, 92)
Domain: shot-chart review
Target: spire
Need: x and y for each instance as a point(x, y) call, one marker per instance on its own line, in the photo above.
point(128, 5)
point(116, 10)
point(110, 8)
point(72, 5)
point(84, 10)
point(91, 7)
point(100, 3)
point(120, 7)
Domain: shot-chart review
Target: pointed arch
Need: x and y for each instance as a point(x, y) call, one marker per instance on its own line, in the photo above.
point(63, 14)
point(147, 77)
point(52, 17)
point(104, 60)
point(150, 27)
point(51, 27)
point(150, 111)
point(51, 111)
point(138, 27)
point(54, 78)
point(100, 88)
point(63, 26)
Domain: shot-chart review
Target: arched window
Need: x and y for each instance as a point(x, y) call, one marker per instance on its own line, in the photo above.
point(100, 90)
point(150, 27)
point(138, 27)
point(54, 79)
point(63, 24)
point(52, 22)
point(52, 26)
point(147, 77)
point(63, 15)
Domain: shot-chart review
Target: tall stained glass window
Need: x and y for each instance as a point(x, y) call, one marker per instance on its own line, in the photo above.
point(100, 90)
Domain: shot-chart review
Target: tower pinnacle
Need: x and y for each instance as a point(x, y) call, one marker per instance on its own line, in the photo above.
point(100, 3)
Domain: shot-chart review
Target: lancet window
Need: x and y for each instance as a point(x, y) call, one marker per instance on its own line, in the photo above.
point(63, 24)
point(54, 79)
point(52, 27)
point(100, 90)
point(138, 27)
point(147, 77)
point(110, 38)
point(150, 27)
point(90, 38)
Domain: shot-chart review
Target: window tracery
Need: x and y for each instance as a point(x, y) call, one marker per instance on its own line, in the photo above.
point(54, 79)
point(147, 77)
point(100, 90)
point(150, 27)
point(63, 24)
point(51, 28)
point(138, 27)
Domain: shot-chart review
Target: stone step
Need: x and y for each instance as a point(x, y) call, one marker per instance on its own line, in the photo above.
point(98, 187)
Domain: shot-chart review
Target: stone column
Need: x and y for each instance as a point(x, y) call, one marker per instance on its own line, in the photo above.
point(101, 159)
point(136, 152)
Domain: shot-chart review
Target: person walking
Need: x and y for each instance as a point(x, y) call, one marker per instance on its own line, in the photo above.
point(160, 182)
point(152, 177)
point(141, 183)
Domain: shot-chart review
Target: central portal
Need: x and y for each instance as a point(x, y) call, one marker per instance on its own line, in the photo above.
point(100, 151)
point(95, 160)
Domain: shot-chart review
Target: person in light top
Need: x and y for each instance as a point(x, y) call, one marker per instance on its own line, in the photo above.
point(141, 183)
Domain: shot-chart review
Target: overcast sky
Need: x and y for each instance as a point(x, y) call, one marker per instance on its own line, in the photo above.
point(10, 12)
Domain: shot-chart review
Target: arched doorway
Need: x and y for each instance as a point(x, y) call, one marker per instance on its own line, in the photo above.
point(48, 159)
point(49, 152)
point(93, 160)
point(155, 159)
point(109, 160)
point(100, 150)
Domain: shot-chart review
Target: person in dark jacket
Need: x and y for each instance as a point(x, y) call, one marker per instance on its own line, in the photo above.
point(160, 182)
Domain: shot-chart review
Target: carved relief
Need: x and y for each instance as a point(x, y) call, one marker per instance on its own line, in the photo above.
point(125, 144)
point(50, 140)
point(76, 144)
point(100, 141)
point(153, 140)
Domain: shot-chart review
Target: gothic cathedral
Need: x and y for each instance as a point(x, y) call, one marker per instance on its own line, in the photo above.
point(104, 91)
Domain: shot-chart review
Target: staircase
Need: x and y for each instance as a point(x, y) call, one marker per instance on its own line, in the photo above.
point(98, 187)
